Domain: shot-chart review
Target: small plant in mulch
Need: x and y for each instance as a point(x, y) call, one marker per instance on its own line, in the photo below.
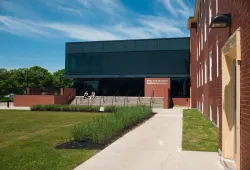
point(101, 131)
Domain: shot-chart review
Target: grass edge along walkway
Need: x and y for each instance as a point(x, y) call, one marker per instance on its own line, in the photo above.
point(198, 133)
point(28, 139)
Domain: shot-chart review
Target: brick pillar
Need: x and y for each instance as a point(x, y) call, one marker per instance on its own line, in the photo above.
point(193, 64)
point(166, 98)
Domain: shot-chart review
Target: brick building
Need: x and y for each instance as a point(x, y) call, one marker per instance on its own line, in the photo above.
point(220, 74)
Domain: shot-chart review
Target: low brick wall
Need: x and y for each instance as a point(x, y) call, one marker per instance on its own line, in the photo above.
point(180, 101)
point(65, 96)
point(30, 100)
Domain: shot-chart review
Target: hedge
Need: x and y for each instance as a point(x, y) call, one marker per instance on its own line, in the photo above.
point(101, 129)
point(5, 99)
point(65, 108)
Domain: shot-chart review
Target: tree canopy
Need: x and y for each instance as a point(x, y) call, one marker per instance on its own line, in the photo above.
point(16, 79)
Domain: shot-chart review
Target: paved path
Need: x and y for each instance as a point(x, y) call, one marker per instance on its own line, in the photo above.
point(5, 103)
point(155, 145)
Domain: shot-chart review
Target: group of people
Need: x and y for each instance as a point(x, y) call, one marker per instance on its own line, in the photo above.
point(86, 95)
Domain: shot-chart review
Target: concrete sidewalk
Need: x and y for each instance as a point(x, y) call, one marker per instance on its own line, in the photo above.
point(3, 106)
point(155, 145)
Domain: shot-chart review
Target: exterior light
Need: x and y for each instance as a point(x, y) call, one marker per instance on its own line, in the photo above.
point(221, 21)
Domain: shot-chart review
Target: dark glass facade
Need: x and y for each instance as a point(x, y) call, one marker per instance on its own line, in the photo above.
point(108, 66)
point(129, 64)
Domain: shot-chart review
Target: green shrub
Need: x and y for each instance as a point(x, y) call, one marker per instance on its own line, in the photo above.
point(111, 108)
point(65, 108)
point(101, 129)
point(73, 108)
point(6, 99)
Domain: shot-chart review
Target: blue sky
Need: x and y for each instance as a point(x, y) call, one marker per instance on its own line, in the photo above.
point(34, 32)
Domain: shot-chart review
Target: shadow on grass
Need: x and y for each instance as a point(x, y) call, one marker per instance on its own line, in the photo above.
point(90, 145)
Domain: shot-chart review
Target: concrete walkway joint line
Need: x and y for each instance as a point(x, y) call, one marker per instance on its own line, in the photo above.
point(155, 145)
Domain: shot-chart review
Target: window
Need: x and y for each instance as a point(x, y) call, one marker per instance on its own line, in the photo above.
point(180, 87)
point(198, 19)
point(218, 117)
point(210, 66)
point(216, 6)
point(210, 12)
point(197, 80)
point(205, 31)
point(199, 77)
point(202, 106)
point(205, 65)
point(201, 6)
point(197, 53)
point(201, 74)
point(217, 58)
point(199, 48)
point(211, 113)
point(202, 40)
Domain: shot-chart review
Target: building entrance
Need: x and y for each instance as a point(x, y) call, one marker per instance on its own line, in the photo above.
point(111, 87)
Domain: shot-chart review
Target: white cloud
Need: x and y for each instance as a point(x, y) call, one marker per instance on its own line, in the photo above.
point(177, 8)
point(20, 27)
point(162, 26)
point(104, 5)
point(145, 27)
point(169, 6)
point(20, 58)
point(11, 7)
point(82, 32)
point(101, 20)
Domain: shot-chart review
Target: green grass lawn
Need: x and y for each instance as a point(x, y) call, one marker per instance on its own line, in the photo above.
point(28, 140)
point(199, 134)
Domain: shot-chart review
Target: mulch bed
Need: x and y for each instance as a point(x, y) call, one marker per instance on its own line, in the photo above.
point(90, 145)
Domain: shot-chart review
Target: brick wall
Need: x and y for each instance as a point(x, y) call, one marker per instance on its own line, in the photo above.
point(240, 10)
point(160, 87)
point(180, 101)
point(65, 96)
point(244, 22)
point(193, 64)
point(30, 100)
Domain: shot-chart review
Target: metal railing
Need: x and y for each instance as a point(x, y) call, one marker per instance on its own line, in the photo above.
point(152, 98)
point(103, 99)
point(81, 99)
point(126, 99)
point(139, 99)
point(69, 97)
point(114, 99)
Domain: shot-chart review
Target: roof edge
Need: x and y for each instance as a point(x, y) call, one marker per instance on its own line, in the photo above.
point(129, 40)
point(195, 17)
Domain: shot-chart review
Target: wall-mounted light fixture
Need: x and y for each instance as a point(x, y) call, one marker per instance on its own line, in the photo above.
point(221, 21)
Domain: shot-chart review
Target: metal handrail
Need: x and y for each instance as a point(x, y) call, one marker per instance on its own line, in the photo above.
point(69, 96)
point(152, 98)
point(139, 99)
point(81, 98)
point(126, 98)
point(114, 98)
point(102, 99)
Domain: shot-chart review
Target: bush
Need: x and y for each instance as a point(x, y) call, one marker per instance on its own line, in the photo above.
point(101, 129)
point(65, 108)
point(6, 99)
point(111, 108)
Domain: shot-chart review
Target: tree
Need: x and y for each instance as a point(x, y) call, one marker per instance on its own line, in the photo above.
point(16, 80)
point(59, 79)
point(38, 77)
